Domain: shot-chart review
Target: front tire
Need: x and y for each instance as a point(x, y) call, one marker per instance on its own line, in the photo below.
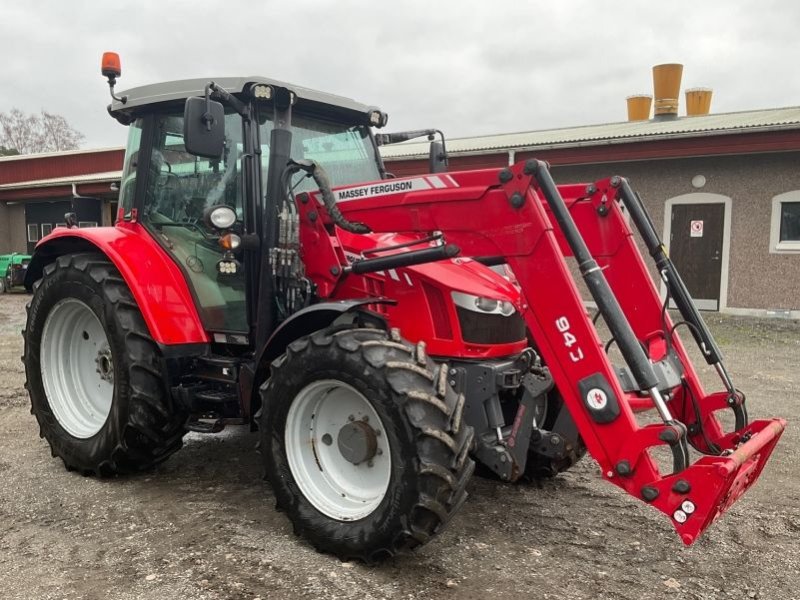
point(95, 376)
point(363, 442)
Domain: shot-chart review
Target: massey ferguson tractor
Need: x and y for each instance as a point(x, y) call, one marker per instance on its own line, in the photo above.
point(382, 335)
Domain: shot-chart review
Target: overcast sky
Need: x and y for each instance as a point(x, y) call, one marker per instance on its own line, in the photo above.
point(468, 67)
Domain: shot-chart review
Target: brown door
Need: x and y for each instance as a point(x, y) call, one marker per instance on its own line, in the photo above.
point(695, 247)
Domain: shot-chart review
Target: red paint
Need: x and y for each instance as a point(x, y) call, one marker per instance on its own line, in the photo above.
point(157, 284)
point(478, 217)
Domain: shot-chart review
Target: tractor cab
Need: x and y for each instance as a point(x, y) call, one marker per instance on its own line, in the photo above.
point(173, 192)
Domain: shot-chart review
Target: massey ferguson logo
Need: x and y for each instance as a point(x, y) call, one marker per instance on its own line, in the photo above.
point(430, 182)
point(596, 399)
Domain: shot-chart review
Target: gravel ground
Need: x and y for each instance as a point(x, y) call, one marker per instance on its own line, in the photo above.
point(203, 526)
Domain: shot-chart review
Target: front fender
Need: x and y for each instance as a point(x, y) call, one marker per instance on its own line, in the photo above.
point(307, 321)
point(156, 282)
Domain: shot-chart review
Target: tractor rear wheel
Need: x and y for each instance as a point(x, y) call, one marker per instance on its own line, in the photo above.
point(363, 442)
point(95, 376)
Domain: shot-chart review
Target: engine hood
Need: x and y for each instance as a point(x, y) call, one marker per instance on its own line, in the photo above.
point(455, 274)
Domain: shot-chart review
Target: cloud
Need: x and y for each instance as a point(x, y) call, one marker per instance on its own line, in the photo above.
point(466, 67)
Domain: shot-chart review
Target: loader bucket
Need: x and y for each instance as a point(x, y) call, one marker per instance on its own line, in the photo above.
point(697, 496)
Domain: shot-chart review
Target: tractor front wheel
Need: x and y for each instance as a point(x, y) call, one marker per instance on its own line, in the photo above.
point(363, 442)
point(95, 376)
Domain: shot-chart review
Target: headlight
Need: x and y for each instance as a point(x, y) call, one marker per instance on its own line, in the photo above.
point(378, 118)
point(486, 304)
point(483, 305)
point(230, 241)
point(220, 217)
point(262, 92)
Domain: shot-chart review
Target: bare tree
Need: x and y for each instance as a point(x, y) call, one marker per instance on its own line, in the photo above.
point(31, 133)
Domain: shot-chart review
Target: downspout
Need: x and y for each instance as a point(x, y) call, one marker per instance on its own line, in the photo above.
point(512, 154)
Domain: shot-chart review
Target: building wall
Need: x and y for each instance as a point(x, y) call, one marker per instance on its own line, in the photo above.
point(17, 238)
point(5, 242)
point(758, 279)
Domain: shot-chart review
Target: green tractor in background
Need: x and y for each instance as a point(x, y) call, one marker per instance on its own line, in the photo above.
point(12, 271)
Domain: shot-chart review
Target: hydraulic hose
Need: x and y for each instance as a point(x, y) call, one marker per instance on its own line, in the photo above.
point(320, 177)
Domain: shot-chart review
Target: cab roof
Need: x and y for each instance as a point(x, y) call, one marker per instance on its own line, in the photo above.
point(185, 88)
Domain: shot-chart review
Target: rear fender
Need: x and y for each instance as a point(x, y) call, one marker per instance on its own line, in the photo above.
point(156, 282)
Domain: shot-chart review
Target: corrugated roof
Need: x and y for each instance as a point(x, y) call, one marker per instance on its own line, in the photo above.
point(625, 131)
point(77, 179)
point(60, 153)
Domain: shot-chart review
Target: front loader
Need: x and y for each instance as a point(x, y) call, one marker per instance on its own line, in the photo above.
point(382, 335)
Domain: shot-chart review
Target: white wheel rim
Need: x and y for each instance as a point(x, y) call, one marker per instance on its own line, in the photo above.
point(335, 486)
point(77, 368)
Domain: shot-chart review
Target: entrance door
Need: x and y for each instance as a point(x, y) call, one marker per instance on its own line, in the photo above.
point(695, 247)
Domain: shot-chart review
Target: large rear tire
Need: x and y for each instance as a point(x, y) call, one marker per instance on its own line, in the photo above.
point(363, 442)
point(95, 376)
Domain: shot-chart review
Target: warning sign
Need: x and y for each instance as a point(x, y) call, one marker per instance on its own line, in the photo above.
point(696, 229)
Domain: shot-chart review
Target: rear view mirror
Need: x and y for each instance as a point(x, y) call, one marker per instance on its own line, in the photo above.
point(204, 127)
point(437, 158)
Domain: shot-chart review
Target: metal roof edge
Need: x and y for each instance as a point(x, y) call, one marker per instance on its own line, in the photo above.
point(593, 142)
point(59, 153)
point(108, 176)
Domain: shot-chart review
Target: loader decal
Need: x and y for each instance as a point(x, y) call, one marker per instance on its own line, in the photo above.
point(597, 399)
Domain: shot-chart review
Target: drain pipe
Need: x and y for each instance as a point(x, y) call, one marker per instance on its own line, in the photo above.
point(512, 154)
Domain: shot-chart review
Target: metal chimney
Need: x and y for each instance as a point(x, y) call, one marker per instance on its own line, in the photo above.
point(698, 101)
point(639, 107)
point(667, 87)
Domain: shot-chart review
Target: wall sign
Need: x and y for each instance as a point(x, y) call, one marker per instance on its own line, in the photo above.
point(696, 229)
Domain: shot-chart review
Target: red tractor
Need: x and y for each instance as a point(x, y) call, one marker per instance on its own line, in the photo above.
point(381, 334)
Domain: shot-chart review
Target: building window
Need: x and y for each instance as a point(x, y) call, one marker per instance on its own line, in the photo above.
point(47, 228)
point(784, 235)
point(33, 232)
point(83, 224)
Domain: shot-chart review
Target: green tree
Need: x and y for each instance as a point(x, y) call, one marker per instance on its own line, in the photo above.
point(8, 151)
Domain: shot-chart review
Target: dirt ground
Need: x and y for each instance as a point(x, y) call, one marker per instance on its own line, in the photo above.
point(203, 526)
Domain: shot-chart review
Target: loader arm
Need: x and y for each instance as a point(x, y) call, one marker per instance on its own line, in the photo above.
point(519, 214)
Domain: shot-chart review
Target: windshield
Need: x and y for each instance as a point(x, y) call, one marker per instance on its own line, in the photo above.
point(346, 152)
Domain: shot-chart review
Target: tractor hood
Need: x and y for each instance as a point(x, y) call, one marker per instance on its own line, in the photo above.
point(456, 274)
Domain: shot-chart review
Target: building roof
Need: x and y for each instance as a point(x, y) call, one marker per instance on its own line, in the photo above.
point(56, 181)
point(60, 153)
point(627, 131)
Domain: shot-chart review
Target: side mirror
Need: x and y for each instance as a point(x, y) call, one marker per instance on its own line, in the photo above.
point(204, 127)
point(437, 158)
